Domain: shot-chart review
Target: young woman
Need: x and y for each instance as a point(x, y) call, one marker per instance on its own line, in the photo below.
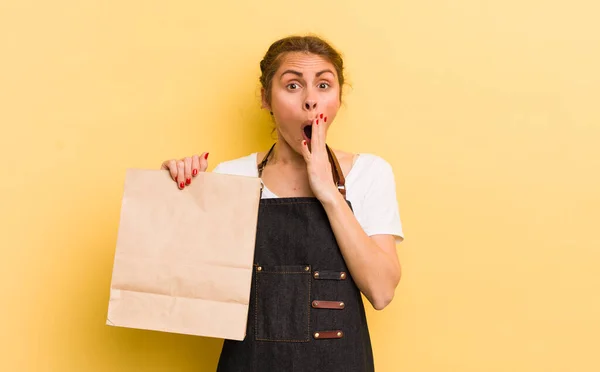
point(328, 224)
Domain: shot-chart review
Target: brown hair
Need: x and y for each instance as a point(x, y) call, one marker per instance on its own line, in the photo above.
point(308, 44)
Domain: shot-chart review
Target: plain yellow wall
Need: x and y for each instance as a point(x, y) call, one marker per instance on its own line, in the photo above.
point(488, 112)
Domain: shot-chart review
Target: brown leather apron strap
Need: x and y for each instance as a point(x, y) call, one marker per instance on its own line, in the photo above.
point(264, 161)
point(336, 170)
point(338, 175)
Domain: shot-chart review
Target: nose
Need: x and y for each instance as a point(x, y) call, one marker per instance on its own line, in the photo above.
point(310, 99)
point(310, 104)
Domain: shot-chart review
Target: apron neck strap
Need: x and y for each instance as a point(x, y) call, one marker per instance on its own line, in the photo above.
point(263, 163)
point(336, 170)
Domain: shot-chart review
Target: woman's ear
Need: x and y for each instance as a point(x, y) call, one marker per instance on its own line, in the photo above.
point(264, 103)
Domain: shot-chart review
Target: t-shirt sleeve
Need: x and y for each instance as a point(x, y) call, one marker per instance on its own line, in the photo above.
point(245, 166)
point(219, 168)
point(381, 209)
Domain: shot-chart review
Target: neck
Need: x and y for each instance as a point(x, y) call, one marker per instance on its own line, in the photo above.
point(283, 154)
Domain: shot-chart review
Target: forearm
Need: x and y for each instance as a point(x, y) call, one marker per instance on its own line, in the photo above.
point(375, 272)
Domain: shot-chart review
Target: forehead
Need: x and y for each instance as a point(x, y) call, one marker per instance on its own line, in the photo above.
point(305, 63)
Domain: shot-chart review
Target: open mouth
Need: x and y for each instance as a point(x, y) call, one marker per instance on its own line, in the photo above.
point(308, 131)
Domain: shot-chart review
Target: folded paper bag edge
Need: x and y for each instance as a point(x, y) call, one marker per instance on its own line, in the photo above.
point(177, 315)
point(130, 170)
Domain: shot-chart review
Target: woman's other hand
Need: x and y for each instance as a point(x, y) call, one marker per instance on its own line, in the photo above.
point(182, 171)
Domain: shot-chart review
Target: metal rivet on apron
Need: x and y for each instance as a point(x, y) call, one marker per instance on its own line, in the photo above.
point(317, 335)
point(341, 304)
point(306, 268)
point(343, 275)
point(259, 268)
point(315, 303)
point(339, 334)
point(316, 274)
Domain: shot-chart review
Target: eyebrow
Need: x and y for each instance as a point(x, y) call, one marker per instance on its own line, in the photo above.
point(324, 71)
point(299, 74)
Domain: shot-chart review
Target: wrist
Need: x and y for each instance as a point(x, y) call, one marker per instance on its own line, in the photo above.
point(333, 199)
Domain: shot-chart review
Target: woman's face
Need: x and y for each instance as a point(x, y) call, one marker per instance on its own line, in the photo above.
point(304, 87)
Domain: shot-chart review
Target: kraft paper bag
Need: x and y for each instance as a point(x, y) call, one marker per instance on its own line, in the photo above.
point(183, 260)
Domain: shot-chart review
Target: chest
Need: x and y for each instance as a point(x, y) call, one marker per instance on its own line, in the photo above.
point(287, 182)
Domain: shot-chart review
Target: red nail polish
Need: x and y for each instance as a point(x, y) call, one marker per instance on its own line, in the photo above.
point(304, 143)
point(195, 172)
point(188, 181)
point(206, 156)
point(317, 121)
point(321, 116)
point(181, 185)
point(325, 119)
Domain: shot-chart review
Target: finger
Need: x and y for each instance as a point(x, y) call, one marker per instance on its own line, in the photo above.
point(305, 151)
point(322, 133)
point(195, 165)
point(318, 136)
point(180, 174)
point(204, 162)
point(324, 128)
point(314, 141)
point(187, 165)
point(171, 166)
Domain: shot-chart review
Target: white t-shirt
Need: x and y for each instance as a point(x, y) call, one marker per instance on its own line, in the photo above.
point(370, 188)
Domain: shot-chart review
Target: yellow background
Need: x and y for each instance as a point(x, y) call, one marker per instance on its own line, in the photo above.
point(488, 112)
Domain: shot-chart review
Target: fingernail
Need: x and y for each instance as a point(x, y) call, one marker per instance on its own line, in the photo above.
point(304, 143)
point(317, 121)
point(188, 181)
point(321, 116)
point(195, 172)
point(325, 119)
point(206, 156)
point(181, 185)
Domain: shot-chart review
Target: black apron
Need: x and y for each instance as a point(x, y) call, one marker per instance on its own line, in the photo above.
point(305, 313)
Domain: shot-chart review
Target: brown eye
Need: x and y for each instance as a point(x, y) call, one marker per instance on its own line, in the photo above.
point(324, 85)
point(293, 86)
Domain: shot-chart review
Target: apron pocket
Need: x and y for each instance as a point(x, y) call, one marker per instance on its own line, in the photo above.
point(282, 303)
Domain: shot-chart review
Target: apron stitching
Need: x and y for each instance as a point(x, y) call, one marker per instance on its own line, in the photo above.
point(256, 305)
point(281, 202)
point(291, 341)
point(309, 297)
